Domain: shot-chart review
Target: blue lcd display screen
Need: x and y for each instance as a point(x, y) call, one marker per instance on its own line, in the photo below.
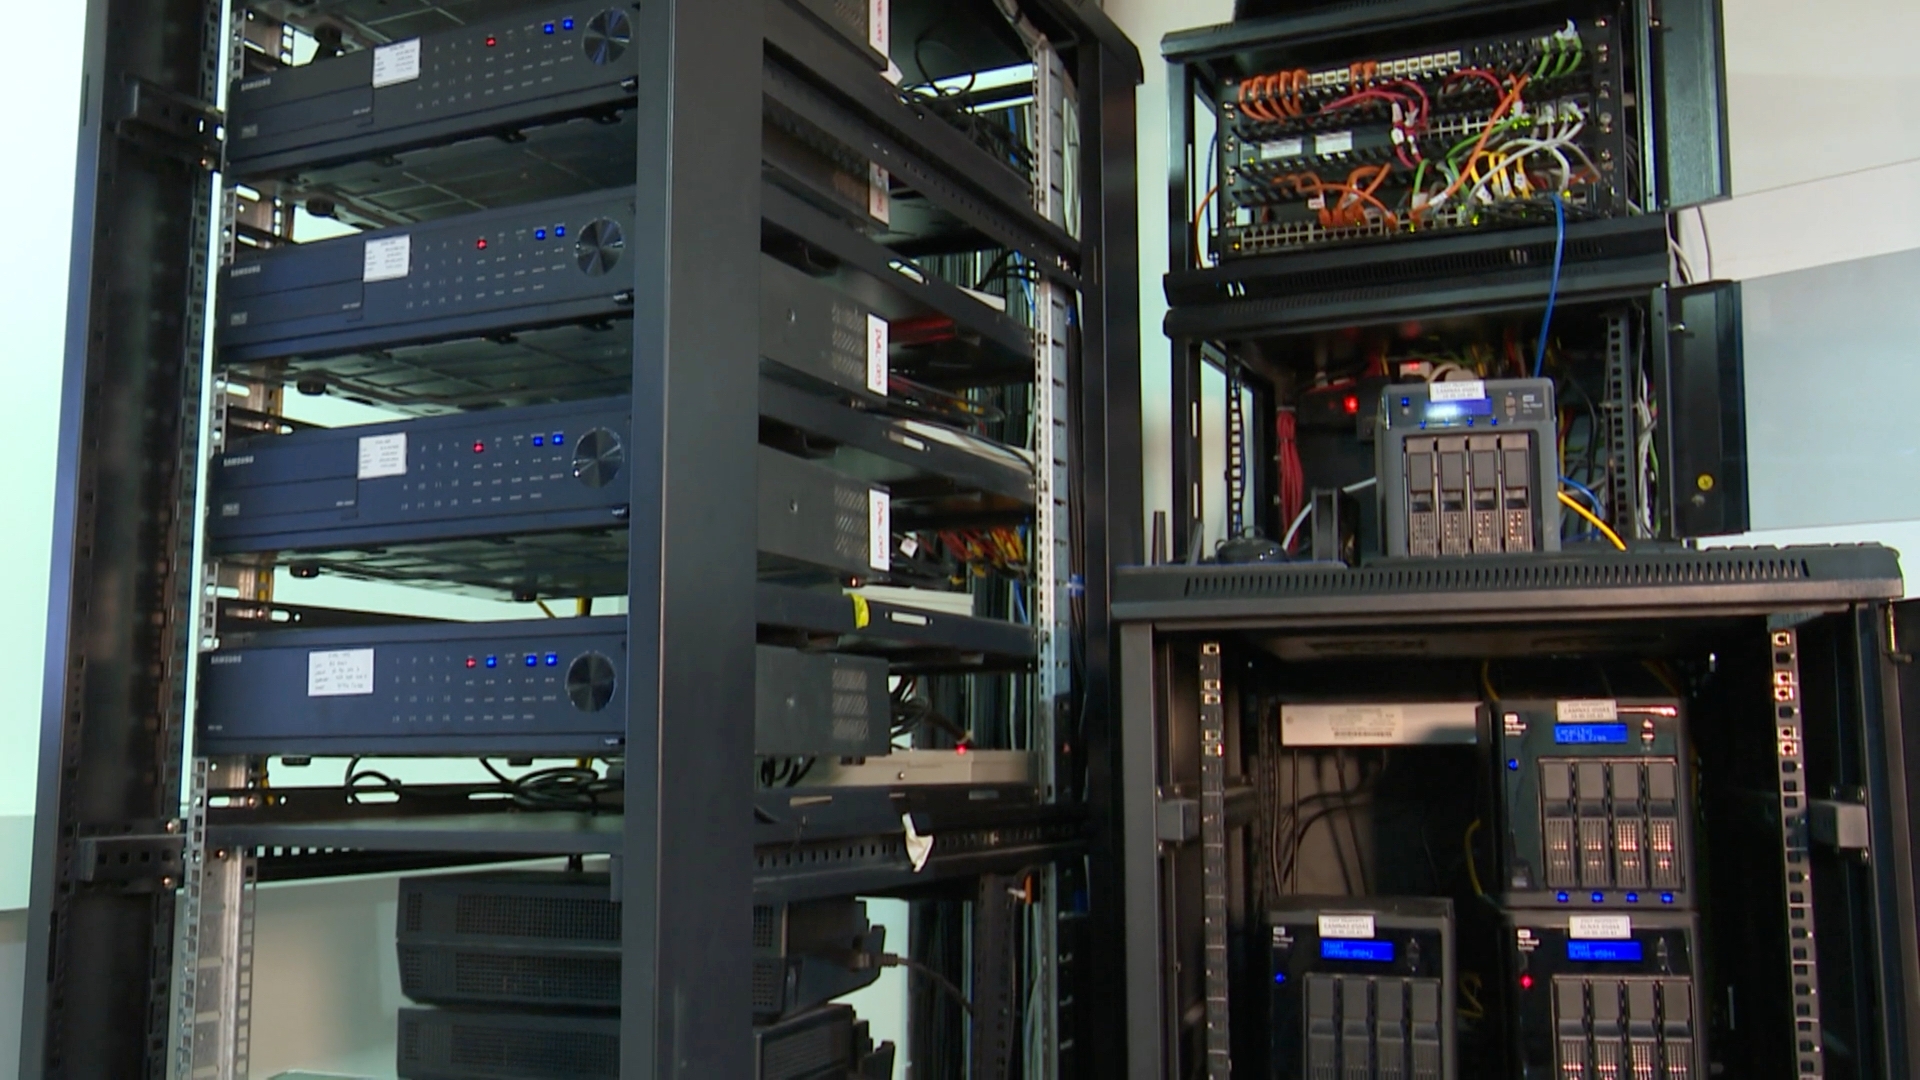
point(1589, 734)
point(1454, 410)
point(1605, 952)
point(1372, 952)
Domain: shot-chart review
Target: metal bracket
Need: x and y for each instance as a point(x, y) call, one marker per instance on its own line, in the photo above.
point(167, 122)
point(1177, 821)
point(142, 857)
point(1842, 826)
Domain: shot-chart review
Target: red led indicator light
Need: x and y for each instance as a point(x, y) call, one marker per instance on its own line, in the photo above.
point(492, 41)
point(1526, 982)
point(961, 749)
point(481, 243)
point(471, 662)
point(1351, 404)
point(479, 448)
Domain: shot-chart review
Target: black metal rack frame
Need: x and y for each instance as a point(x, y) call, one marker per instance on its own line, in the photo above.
point(118, 865)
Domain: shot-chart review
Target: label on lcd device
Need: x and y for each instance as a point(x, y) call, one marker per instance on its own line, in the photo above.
point(877, 355)
point(879, 194)
point(387, 258)
point(879, 530)
point(382, 455)
point(1457, 390)
point(339, 672)
point(396, 63)
point(1346, 926)
point(1333, 142)
point(1282, 148)
point(1586, 711)
point(1600, 927)
point(880, 27)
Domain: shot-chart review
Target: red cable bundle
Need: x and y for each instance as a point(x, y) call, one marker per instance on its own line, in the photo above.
point(1293, 481)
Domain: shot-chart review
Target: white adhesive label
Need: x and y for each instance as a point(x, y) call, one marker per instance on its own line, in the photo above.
point(880, 27)
point(1284, 148)
point(1346, 926)
point(339, 672)
point(877, 355)
point(387, 258)
point(879, 194)
point(879, 530)
point(1586, 711)
point(1457, 390)
point(396, 63)
point(1333, 142)
point(382, 455)
point(1379, 724)
point(1600, 927)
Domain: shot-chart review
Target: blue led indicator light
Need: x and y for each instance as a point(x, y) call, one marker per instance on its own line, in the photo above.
point(1406, 402)
point(1513, 764)
point(1495, 422)
point(559, 438)
point(1633, 898)
point(553, 659)
point(1598, 897)
point(493, 661)
point(559, 230)
point(566, 24)
point(1423, 425)
point(548, 28)
point(532, 660)
point(539, 440)
point(1666, 898)
point(1562, 897)
point(539, 234)
point(1279, 976)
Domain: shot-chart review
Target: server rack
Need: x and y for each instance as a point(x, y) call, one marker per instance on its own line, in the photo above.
point(1310, 720)
point(147, 851)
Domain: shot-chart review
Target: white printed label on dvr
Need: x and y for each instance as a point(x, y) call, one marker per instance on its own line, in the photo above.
point(879, 194)
point(1282, 148)
point(877, 355)
point(879, 530)
point(387, 258)
point(1586, 710)
point(396, 63)
point(1600, 927)
point(382, 455)
point(1333, 142)
point(339, 672)
point(880, 27)
point(1457, 390)
point(1346, 926)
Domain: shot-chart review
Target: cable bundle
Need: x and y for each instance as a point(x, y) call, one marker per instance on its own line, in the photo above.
point(1293, 479)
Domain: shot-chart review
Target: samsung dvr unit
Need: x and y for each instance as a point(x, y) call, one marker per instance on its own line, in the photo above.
point(475, 277)
point(545, 686)
point(499, 75)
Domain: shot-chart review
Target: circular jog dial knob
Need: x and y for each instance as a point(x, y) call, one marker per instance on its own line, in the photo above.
point(590, 682)
point(596, 458)
point(599, 246)
point(608, 35)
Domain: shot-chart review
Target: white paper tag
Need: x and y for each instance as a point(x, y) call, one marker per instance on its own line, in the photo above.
point(396, 63)
point(1346, 926)
point(339, 672)
point(1318, 202)
point(382, 455)
point(879, 529)
point(1283, 148)
point(910, 547)
point(1457, 390)
point(1333, 142)
point(919, 848)
point(880, 27)
point(1600, 927)
point(879, 194)
point(877, 355)
point(1586, 711)
point(387, 258)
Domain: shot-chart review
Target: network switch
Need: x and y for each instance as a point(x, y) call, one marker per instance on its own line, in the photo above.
point(820, 705)
point(476, 276)
point(1362, 989)
point(810, 328)
point(1467, 467)
point(495, 75)
point(1596, 803)
point(1615, 995)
